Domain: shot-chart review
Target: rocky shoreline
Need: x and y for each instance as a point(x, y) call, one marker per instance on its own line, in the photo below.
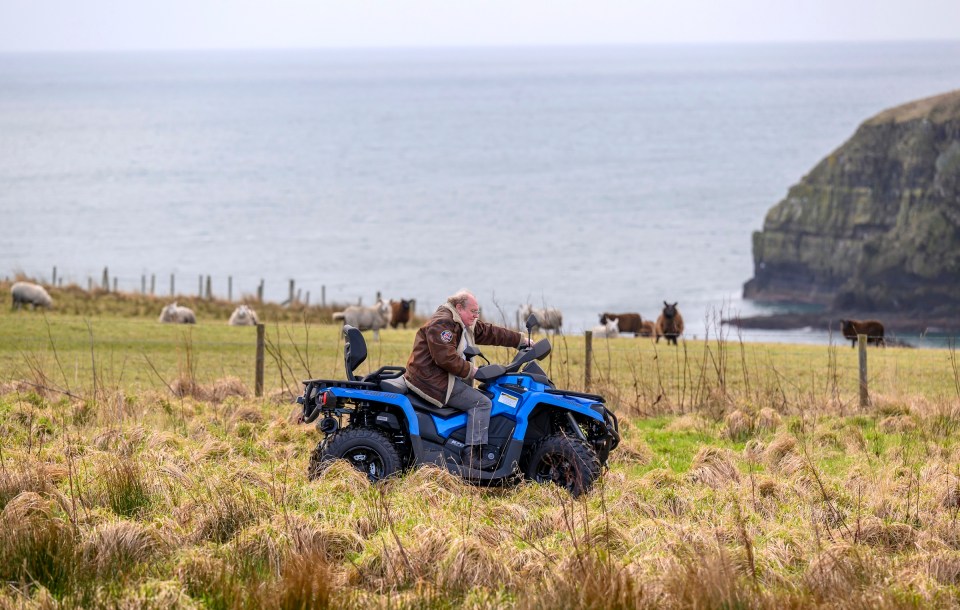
point(905, 323)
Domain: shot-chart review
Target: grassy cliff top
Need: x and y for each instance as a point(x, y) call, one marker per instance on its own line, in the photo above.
point(939, 109)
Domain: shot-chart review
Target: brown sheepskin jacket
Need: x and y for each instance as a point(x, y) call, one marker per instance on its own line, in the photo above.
point(437, 357)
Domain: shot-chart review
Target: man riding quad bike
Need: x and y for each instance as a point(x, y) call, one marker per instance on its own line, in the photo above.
point(536, 430)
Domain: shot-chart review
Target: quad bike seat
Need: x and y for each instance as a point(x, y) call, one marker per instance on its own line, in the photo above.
point(386, 378)
point(397, 386)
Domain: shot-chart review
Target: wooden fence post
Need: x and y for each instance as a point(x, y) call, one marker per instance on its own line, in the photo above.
point(171, 285)
point(290, 300)
point(864, 395)
point(258, 383)
point(143, 283)
point(54, 282)
point(106, 280)
point(209, 292)
point(323, 296)
point(230, 288)
point(588, 362)
point(260, 292)
point(153, 284)
point(114, 283)
point(200, 286)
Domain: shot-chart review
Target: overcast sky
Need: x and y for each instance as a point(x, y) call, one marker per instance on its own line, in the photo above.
point(42, 25)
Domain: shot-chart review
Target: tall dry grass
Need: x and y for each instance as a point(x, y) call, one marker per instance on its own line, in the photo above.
point(753, 486)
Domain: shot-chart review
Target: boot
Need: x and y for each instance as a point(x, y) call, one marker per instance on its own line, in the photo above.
point(474, 456)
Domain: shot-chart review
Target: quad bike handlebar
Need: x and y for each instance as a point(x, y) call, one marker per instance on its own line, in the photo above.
point(538, 351)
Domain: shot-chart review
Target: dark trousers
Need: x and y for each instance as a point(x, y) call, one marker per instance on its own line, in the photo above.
point(477, 406)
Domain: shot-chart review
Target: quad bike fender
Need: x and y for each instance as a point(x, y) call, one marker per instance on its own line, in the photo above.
point(398, 400)
point(579, 407)
point(445, 427)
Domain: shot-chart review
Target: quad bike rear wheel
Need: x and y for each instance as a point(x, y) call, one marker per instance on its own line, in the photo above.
point(565, 461)
point(366, 449)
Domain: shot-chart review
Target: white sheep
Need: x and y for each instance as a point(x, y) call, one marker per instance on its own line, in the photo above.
point(177, 314)
point(366, 318)
point(548, 318)
point(34, 294)
point(608, 330)
point(243, 316)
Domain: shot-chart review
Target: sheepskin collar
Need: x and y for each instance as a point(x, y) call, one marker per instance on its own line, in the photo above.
point(467, 330)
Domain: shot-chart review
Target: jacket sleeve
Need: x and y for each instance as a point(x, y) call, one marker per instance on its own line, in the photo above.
point(489, 334)
point(442, 338)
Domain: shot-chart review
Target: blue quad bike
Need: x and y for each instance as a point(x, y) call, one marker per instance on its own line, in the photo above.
point(536, 431)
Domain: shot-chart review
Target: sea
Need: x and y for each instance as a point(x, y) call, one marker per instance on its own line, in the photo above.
point(589, 179)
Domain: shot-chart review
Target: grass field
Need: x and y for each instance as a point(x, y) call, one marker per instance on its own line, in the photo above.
point(137, 470)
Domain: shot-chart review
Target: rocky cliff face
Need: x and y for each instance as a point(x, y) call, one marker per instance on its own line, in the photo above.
point(875, 225)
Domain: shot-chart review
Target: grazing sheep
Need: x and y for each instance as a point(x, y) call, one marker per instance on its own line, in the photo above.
point(669, 324)
point(243, 316)
point(873, 329)
point(177, 314)
point(548, 318)
point(629, 322)
point(610, 328)
point(400, 311)
point(647, 329)
point(366, 318)
point(34, 294)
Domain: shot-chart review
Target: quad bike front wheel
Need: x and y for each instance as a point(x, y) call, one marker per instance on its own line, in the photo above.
point(565, 461)
point(367, 450)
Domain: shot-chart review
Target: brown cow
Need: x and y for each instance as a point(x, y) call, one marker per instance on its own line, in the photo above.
point(401, 311)
point(873, 329)
point(669, 324)
point(628, 322)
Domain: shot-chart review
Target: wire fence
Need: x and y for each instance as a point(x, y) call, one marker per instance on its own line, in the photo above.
point(229, 287)
point(636, 376)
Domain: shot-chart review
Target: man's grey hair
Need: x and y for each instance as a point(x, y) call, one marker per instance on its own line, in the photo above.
point(459, 298)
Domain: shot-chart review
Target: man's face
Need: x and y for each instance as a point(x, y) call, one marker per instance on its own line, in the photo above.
point(469, 311)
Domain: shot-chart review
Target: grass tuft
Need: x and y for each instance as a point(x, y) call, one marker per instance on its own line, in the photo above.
point(892, 537)
point(25, 477)
point(112, 549)
point(714, 468)
point(125, 487)
point(839, 570)
point(768, 420)
point(739, 425)
point(225, 510)
point(306, 583)
point(36, 546)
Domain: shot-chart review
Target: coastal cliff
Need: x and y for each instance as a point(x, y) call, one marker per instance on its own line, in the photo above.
point(876, 224)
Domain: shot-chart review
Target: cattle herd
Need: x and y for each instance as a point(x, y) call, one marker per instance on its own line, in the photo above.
point(394, 313)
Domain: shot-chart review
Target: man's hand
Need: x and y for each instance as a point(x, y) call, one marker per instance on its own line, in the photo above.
point(473, 372)
point(525, 343)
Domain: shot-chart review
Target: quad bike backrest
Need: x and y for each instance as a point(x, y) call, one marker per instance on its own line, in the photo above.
point(354, 350)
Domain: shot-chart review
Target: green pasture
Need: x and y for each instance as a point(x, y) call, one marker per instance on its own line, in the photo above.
point(75, 352)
